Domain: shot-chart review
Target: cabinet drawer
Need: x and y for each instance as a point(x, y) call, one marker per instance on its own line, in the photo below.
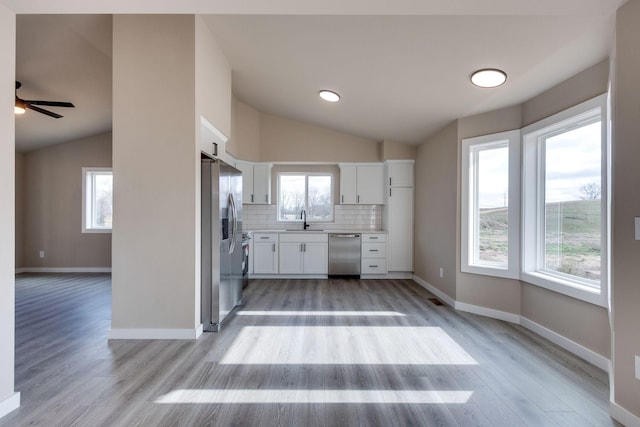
point(265, 238)
point(374, 250)
point(373, 266)
point(373, 237)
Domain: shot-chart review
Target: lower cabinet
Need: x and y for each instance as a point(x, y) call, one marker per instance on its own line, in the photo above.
point(374, 254)
point(265, 253)
point(304, 253)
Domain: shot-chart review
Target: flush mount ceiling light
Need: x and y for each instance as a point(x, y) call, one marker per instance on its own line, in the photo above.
point(488, 77)
point(329, 96)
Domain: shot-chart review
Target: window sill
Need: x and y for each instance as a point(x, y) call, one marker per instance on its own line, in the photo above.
point(566, 287)
point(96, 231)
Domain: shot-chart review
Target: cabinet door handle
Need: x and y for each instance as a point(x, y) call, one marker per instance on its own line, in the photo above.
point(373, 266)
point(264, 237)
point(342, 199)
point(358, 198)
point(273, 247)
point(304, 247)
point(389, 192)
point(373, 238)
point(389, 180)
point(373, 250)
point(252, 198)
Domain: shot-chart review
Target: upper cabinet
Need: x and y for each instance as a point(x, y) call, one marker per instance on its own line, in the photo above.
point(399, 173)
point(256, 182)
point(361, 183)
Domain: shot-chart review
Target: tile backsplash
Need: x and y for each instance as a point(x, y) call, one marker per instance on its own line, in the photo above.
point(346, 217)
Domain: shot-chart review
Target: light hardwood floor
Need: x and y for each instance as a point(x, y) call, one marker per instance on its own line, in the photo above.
point(298, 353)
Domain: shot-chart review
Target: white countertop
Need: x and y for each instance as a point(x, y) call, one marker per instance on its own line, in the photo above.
point(318, 231)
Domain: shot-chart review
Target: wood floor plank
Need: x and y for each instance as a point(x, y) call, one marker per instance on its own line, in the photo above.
point(307, 353)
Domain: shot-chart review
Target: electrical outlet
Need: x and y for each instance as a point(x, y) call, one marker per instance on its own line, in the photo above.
point(41, 254)
point(637, 367)
point(441, 272)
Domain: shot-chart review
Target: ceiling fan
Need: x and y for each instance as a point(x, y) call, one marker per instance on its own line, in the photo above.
point(22, 105)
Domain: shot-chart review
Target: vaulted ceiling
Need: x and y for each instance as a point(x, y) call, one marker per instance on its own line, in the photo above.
point(402, 69)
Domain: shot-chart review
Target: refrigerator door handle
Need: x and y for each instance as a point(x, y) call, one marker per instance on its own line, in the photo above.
point(234, 223)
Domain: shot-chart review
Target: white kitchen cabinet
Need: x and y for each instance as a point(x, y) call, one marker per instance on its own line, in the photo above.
point(399, 173)
point(256, 182)
point(304, 253)
point(361, 183)
point(374, 254)
point(398, 215)
point(264, 253)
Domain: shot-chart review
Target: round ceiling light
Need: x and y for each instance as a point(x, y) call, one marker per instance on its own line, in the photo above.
point(329, 96)
point(489, 77)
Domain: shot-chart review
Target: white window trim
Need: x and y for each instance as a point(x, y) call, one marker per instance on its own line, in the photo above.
point(306, 174)
point(513, 266)
point(85, 172)
point(532, 173)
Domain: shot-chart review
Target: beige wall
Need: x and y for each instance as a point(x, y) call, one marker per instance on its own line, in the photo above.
point(287, 140)
point(626, 206)
point(435, 210)
point(155, 168)
point(245, 141)
point(20, 179)
point(213, 80)
point(7, 202)
point(52, 205)
point(392, 150)
point(581, 87)
point(584, 323)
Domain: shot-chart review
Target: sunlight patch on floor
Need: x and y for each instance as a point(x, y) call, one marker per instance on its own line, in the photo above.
point(345, 345)
point(193, 396)
point(319, 313)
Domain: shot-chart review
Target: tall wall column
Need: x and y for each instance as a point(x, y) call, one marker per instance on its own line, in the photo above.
point(9, 399)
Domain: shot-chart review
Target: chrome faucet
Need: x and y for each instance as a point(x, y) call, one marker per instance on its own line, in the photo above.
point(303, 214)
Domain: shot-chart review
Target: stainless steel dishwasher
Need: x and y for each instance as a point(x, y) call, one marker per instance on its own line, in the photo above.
point(344, 254)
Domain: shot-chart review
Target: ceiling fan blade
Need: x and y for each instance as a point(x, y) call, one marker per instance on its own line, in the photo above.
point(43, 111)
point(51, 103)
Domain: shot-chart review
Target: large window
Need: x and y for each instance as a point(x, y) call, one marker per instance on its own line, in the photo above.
point(97, 200)
point(490, 204)
point(312, 193)
point(565, 202)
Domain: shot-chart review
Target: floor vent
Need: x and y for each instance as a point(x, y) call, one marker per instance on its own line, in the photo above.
point(436, 301)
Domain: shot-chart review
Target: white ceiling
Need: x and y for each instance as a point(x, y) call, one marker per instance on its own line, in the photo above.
point(402, 68)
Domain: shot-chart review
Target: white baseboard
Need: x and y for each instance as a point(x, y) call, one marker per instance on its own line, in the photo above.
point(488, 312)
point(154, 334)
point(9, 404)
point(63, 270)
point(437, 292)
point(397, 275)
point(623, 416)
point(564, 342)
point(569, 345)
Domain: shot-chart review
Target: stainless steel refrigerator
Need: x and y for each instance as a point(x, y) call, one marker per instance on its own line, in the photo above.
point(221, 245)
